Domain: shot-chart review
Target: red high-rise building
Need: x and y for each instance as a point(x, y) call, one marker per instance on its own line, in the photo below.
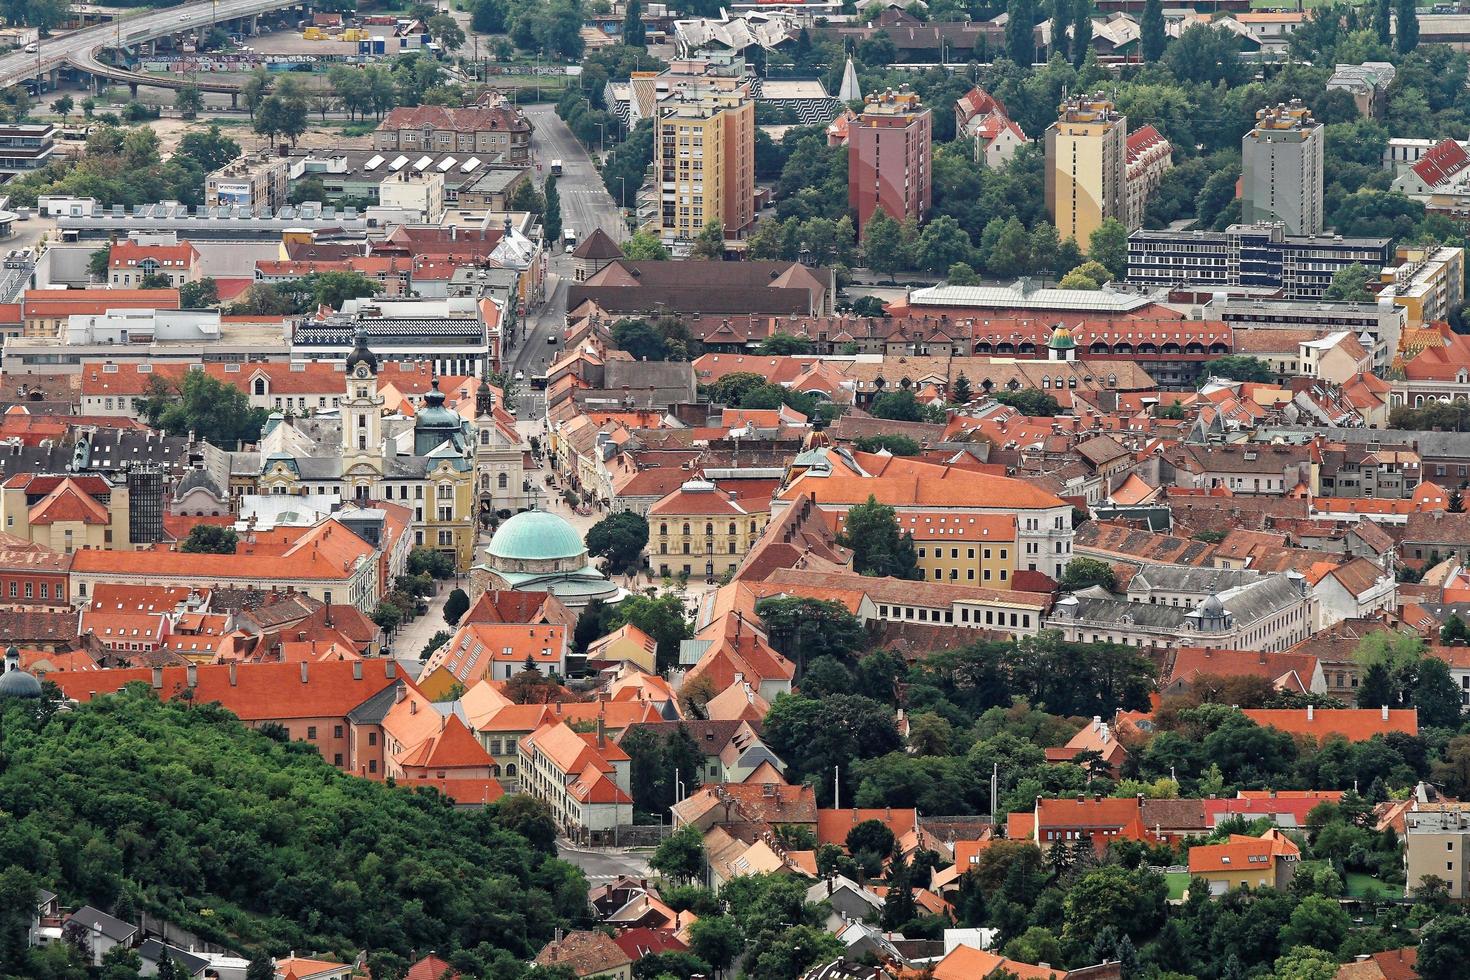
point(888, 158)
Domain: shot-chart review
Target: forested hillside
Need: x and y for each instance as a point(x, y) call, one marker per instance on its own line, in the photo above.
point(248, 840)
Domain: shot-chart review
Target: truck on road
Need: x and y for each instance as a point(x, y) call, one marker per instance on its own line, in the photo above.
point(556, 168)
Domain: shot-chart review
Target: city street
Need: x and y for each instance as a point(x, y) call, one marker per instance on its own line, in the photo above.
point(603, 864)
point(410, 639)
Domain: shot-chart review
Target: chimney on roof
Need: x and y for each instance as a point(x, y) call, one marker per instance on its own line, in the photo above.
point(398, 694)
point(1385, 712)
point(602, 731)
point(157, 678)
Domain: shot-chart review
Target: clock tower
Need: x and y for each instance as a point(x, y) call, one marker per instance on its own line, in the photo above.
point(362, 422)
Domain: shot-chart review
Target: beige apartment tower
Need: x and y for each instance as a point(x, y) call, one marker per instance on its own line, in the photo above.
point(1086, 167)
point(703, 163)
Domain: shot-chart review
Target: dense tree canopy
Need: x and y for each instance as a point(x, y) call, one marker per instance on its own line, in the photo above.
point(256, 843)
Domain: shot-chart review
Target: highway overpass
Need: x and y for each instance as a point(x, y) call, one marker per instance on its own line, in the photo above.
point(78, 49)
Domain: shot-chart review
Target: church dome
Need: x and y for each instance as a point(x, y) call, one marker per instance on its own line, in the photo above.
point(17, 683)
point(536, 535)
point(434, 415)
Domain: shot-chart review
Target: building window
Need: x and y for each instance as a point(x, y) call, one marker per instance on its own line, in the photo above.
point(311, 733)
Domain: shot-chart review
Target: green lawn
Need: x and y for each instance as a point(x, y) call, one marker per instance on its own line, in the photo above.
point(1178, 882)
point(1359, 884)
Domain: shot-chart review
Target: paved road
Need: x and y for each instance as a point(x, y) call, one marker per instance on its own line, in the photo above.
point(77, 46)
point(409, 641)
point(585, 203)
point(604, 864)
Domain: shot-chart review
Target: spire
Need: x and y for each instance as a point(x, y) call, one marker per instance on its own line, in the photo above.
point(484, 397)
point(434, 398)
point(360, 353)
point(850, 90)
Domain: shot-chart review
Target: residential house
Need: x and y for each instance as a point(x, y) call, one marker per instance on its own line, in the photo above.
point(587, 954)
point(1437, 844)
point(1353, 724)
point(1098, 819)
point(495, 651)
point(625, 645)
point(1268, 861)
point(732, 750)
point(102, 932)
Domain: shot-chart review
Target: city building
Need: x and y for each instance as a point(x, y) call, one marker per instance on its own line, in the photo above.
point(1383, 321)
point(839, 481)
point(328, 562)
point(1086, 167)
point(1427, 282)
point(1281, 170)
point(1437, 845)
point(48, 312)
point(497, 133)
point(128, 263)
point(425, 462)
point(351, 175)
point(251, 182)
point(1149, 157)
point(419, 194)
point(66, 513)
point(704, 529)
point(703, 163)
point(26, 147)
point(981, 117)
point(1248, 259)
point(454, 334)
point(889, 158)
point(537, 551)
point(1367, 83)
point(582, 776)
point(1255, 612)
point(587, 954)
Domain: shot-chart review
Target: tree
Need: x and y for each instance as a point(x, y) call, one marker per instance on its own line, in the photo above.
point(1083, 573)
point(1030, 402)
point(1455, 503)
point(455, 606)
point(1304, 963)
point(1130, 901)
point(1108, 245)
point(199, 293)
point(680, 855)
point(427, 561)
point(961, 394)
point(260, 968)
point(1349, 285)
point(97, 262)
point(386, 616)
point(781, 344)
point(901, 406)
point(893, 445)
point(643, 246)
point(1383, 22)
point(489, 17)
point(884, 249)
point(446, 30)
point(870, 837)
point(941, 245)
point(662, 618)
point(1152, 27)
point(1442, 947)
point(202, 404)
point(710, 242)
point(816, 736)
point(1020, 36)
point(803, 629)
point(899, 906)
point(634, 35)
point(1061, 22)
point(253, 90)
point(640, 339)
point(871, 530)
point(210, 148)
point(620, 538)
point(63, 107)
point(1316, 921)
point(1454, 629)
point(717, 940)
point(189, 101)
point(551, 217)
point(1081, 31)
point(1407, 38)
point(1239, 367)
point(962, 274)
point(210, 539)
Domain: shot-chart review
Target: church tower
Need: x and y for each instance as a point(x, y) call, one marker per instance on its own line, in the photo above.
point(362, 422)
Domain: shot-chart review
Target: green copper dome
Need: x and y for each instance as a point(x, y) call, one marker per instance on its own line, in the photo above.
point(536, 535)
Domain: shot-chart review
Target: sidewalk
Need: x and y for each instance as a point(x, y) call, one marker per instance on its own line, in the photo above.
point(409, 641)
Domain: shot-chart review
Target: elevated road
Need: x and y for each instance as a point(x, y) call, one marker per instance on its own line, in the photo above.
point(79, 49)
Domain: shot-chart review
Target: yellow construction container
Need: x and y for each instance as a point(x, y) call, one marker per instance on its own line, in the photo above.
point(313, 34)
point(354, 34)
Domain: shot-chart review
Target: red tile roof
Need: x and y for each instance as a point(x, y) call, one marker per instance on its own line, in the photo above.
point(127, 255)
point(1442, 162)
point(1354, 724)
point(254, 692)
point(453, 748)
point(68, 503)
